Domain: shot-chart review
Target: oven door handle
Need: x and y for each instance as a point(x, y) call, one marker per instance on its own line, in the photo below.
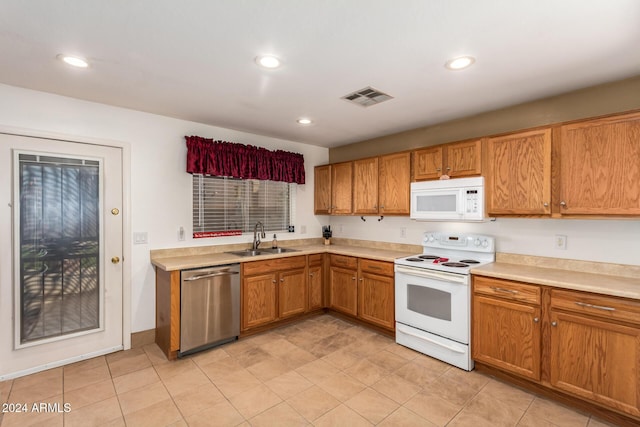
point(421, 337)
point(431, 274)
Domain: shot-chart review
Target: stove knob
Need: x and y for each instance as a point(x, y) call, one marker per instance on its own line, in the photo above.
point(477, 242)
point(485, 243)
point(431, 238)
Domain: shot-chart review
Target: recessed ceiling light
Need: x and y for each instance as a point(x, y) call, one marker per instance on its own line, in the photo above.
point(268, 61)
point(304, 121)
point(74, 61)
point(460, 62)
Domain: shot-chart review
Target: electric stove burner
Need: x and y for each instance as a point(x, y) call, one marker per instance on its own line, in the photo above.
point(429, 256)
point(415, 259)
point(454, 264)
point(470, 261)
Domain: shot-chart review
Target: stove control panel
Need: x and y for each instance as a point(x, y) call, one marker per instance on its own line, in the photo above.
point(467, 242)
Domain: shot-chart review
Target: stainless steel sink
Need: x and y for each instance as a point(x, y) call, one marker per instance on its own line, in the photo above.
point(265, 251)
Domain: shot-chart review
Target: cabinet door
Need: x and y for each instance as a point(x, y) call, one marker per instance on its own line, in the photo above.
point(376, 300)
point(322, 190)
point(506, 335)
point(315, 287)
point(343, 290)
point(258, 300)
point(600, 167)
point(427, 163)
point(395, 184)
point(596, 360)
point(365, 186)
point(464, 158)
point(519, 176)
point(292, 293)
point(341, 187)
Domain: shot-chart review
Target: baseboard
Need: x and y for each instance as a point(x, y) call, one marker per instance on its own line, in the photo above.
point(142, 338)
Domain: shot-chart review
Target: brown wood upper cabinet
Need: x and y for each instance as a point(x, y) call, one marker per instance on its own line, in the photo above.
point(600, 167)
point(365, 186)
point(457, 159)
point(322, 190)
point(518, 172)
point(341, 188)
point(394, 184)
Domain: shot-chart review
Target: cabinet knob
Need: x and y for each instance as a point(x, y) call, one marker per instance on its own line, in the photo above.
point(274, 281)
point(536, 320)
point(563, 204)
point(554, 323)
point(361, 279)
point(448, 168)
point(381, 206)
point(282, 280)
point(353, 278)
point(438, 169)
point(311, 274)
point(545, 204)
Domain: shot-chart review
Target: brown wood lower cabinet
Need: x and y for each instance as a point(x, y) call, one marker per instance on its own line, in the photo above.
point(316, 281)
point(343, 290)
point(580, 344)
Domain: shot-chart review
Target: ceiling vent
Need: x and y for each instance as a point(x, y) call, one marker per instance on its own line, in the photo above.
point(367, 97)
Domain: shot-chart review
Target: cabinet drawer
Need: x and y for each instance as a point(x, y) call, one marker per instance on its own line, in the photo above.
point(596, 305)
point(344, 261)
point(315, 259)
point(271, 265)
point(506, 289)
point(376, 267)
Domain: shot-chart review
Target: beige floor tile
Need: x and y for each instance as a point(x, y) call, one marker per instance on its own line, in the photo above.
point(417, 374)
point(329, 344)
point(297, 357)
point(288, 384)
point(160, 414)
point(403, 417)
point(402, 351)
point(90, 394)
point(317, 371)
point(281, 415)
point(237, 347)
point(33, 414)
point(37, 378)
point(221, 368)
point(387, 360)
point(368, 346)
point(125, 354)
point(254, 401)
point(433, 408)
point(372, 405)
point(251, 356)
point(189, 380)
point(155, 355)
point(222, 414)
point(341, 416)
point(5, 388)
point(342, 386)
point(48, 387)
point(117, 422)
point(198, 399)
point(367, 372)
point(176, 367)
point(95, 414)
point(595, 422)
point(452, 390)
point(396, 388)
point(278, 347)
point(509, 395)
point(556, 413)
point(95, 362)
point(82, 378)
point(130, 364)
point(270, 367)
point(236, 382)
point(341, 359)
point(436, 366)
point(529, 420)
point(209, 356)
point(136, 379)
point(181, 423)
point(485, 410)
point(313, 403)
point(262, 338)
point(142, 398)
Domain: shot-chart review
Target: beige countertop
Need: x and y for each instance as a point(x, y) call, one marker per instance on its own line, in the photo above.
point(619, 280)
point(184, 261)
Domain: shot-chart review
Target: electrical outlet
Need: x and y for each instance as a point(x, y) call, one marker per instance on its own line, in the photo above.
point(403, 232)
point(561, 241)
point(303, 229)
point(340, 228)
point(181, 233)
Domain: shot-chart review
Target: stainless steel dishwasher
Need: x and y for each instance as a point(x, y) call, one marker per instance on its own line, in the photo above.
point(209, 307)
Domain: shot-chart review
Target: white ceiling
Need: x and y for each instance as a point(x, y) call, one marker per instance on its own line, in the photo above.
point(194, 59)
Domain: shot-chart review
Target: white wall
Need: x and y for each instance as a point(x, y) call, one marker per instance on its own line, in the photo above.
point(615, 241)
point(160, 187)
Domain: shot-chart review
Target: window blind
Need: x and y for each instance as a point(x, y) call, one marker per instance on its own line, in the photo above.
point(222, 204)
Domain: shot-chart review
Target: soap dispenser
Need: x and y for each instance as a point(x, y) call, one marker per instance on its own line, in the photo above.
point(274, 242)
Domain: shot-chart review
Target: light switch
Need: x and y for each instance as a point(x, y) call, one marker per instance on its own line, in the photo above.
point(140, 238)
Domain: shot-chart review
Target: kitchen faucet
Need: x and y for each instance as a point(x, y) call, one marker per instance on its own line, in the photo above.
point(256, 237)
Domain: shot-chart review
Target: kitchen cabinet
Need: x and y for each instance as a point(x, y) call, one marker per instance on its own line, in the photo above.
point(322, 190)
point(506, 326)
point(365, 186)
point(376, 293)
point(316, 281)
point(394, 183)
point(273, 290)
point(600, 166)
point(595, 348)
point(518, 173)
point(456, 159)
point(343, 288)
point(168, 312)
point(341, 188)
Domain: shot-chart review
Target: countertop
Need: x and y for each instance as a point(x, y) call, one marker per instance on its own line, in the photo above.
point(607, 284)
point(188, 261)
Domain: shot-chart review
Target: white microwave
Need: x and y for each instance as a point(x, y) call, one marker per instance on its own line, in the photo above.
point(459, 199)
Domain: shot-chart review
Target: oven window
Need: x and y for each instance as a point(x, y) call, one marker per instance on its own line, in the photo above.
point(433, 203)
point(429, 302)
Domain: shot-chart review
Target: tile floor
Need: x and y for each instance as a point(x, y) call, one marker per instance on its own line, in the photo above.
point(322, 372)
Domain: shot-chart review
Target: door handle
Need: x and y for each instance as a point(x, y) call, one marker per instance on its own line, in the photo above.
point(115, 260)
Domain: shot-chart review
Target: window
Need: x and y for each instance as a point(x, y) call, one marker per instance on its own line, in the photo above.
point(230, 206)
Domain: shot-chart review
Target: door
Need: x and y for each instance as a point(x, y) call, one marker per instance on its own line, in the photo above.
point(376, 300)
point(428, 163)
point(343, 291)
point(464, 159)
point(322, 190)
point(292, 293)
point(394, 184)
point(365, 186)
point(61, 275)
point(259, 300)
point(341, 188)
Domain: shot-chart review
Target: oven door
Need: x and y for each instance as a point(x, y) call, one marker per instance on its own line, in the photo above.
point(433, 301)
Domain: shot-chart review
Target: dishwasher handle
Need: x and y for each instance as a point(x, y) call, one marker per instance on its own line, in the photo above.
point(215, 274)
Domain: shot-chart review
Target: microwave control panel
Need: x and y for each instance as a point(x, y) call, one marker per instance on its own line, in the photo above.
point(472, 202)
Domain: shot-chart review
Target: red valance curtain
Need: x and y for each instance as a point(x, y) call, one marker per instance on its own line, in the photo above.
point(220, 158)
